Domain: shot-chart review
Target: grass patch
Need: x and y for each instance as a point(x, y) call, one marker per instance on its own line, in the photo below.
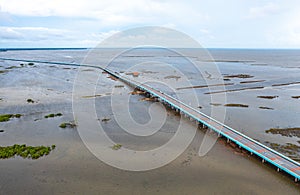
point(30, 101)
point(215, 104)
point(288, 132)
point(67, 125)
point(267, 96)
point(7, 117)
point(119, 86)
point(242, 76)
point(12, 67)
point(289, 149)
point(30, 152)
point(53, 115)
point(105, 119)
point(3, 71)
point(116, 147)
point(266, 108)
point(237, 105)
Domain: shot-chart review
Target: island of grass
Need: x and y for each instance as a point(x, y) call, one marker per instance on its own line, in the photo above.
point(30, 101)
point(53, 115)
point(267, 96)
point(237, 105)
point(30, 152)
point(116, 146)
point(266, 108)
point(7, 117)
point(289, 149)
point(69, 125)
point(242, 76)
point(3, 71)
point(288, 132)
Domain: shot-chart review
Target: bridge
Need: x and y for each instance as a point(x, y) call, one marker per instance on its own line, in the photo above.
point(266, 154)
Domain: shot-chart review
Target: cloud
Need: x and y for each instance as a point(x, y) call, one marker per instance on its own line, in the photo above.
point(50, 37)
point(108, 13)
point(262, 11)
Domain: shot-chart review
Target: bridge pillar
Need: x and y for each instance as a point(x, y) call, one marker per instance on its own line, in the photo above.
point(228, 140)
point(262, 160)
point(278, 169)
point(296, 180)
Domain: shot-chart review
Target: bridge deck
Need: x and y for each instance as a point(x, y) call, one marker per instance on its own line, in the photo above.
point(267, 154)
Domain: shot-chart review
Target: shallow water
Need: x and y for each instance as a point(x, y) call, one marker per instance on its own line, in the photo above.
point(71, 168)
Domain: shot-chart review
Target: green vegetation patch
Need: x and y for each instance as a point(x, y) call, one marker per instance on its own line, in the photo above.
point(3, 71)
point(105, 119)
point(53, 115)
point(30, 152)
point(242, 76)
point(267, 96)
point(116, 147)
point(237, 105)
point(7, 117)
point(288, 132)
point(289, 149)
point(266, 108)
point(69, 125)
point(12, 67)
point(30, 101)
point(119, 86)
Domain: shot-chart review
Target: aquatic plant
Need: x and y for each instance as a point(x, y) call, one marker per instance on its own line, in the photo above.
point(53, 115)
point(105, 119)
point(30, 152)
point(69, 124)
point(116, 146)
point(3, 71)
point(267, 96)
point(7, 117)
point(237, 105)
point(63, 125)
point(288, 132)
point(30, 101)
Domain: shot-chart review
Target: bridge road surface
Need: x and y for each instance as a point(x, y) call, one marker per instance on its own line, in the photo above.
point(267, 154)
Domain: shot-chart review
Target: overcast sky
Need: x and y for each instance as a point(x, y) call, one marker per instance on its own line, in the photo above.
point(213, 23)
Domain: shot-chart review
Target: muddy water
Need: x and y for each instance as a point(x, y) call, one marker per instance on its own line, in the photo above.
point(71, 168)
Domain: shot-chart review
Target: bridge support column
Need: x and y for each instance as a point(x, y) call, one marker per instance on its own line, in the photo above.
point(228, 140)
point(278, 169)
point(296, 180)
point(262, 160)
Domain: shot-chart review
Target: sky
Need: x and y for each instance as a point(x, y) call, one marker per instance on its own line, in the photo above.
point(213, 23)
